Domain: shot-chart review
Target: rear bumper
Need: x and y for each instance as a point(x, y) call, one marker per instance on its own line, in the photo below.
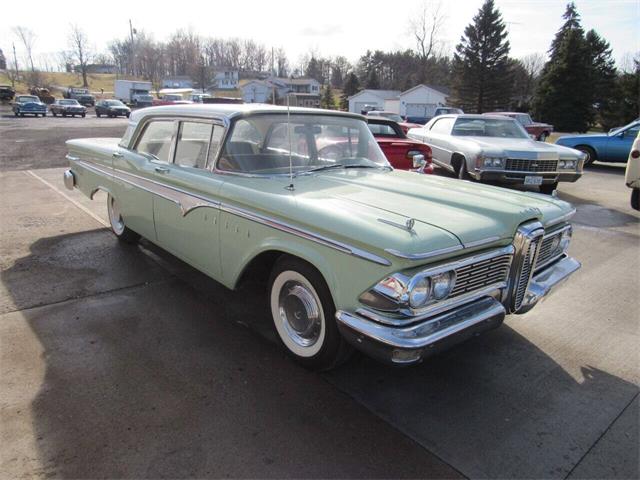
point(411, 344)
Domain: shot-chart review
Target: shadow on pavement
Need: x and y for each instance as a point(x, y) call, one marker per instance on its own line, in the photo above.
point(158, 380)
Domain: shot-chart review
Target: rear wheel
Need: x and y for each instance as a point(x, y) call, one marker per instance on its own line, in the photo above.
point(117, 222)
point(97, 114)
point(54, 113)
point(304, 315)
point(591, 154)
point(635, 199)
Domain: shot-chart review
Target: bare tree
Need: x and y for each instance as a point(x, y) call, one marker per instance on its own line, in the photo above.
point(80, 52)
point(426, 28)
point(533, 63)
point(28, 39)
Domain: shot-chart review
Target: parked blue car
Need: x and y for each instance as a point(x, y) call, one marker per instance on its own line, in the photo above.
point(604, 147)
point(29, 105)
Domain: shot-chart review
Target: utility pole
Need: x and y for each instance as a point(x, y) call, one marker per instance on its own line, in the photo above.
point(15, 64)
point(133, 50)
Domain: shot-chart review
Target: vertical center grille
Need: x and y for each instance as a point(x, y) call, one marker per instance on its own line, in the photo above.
point(527, 244)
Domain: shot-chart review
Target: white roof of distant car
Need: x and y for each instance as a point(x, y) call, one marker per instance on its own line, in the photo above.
point(228, 111)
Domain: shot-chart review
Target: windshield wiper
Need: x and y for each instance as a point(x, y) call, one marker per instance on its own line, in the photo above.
point(326, 167)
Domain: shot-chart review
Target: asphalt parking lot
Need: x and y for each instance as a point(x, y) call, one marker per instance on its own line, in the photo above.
point(122, 361)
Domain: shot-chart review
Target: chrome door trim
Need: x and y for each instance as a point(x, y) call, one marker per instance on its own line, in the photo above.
point(188, 201)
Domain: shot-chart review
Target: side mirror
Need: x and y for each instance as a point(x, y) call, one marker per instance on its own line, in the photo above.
point(419, 161)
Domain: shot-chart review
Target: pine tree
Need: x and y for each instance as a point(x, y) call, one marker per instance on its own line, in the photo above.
point(313, 70)
point(565, 94)
point(603, 80)
point(351, 87)
point(482, 77)
point(327, 100)
point(373, 81)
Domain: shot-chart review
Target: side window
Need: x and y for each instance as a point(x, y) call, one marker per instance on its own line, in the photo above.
point(632, 132)
point(156, 140)
point(216, 140)
point(442, 126)
point(193, 144)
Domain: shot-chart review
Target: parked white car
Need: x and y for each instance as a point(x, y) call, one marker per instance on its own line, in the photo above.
point(495, 148)
point(632, 175)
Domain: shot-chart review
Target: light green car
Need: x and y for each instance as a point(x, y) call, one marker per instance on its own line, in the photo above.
point(355, 254)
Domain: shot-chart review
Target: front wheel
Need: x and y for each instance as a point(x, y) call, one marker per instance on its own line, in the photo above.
point(463, 174)
point(591, 154)
point(635, 198)
point(304, 315)
point(117, 222)
point(97, 114)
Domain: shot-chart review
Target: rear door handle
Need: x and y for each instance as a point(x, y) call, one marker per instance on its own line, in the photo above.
point(162, 169)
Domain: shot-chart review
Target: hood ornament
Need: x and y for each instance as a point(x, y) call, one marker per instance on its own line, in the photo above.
point(408, 225)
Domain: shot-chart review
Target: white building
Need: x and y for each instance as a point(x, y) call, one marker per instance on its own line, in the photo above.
point(257, 91)
point(373, 98)
point(419, 101)
point(226, 79)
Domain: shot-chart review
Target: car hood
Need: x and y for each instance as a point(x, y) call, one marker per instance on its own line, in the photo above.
point(590, 136)
point(371, 209)
point(524, 148)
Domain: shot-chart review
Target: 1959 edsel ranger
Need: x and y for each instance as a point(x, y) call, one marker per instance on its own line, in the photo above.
point(396, 264)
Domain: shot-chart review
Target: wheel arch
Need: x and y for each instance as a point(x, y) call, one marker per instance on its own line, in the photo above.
point(593, 148)
point(457, 158)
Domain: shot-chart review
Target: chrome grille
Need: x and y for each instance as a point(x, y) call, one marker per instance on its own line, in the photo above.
point(526, 243)
point(481, 274)
point(521, 165)
point(525, 273)
point(549, 249)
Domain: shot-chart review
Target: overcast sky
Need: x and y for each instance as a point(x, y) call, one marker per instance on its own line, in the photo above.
point(328, 27)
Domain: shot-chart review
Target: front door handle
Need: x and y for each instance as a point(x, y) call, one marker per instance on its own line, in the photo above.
point(117, 155)
point(162, 169)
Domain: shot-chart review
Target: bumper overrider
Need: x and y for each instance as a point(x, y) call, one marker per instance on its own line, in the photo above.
point(381, 336)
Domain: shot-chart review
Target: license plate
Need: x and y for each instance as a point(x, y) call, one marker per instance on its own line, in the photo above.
point(533, 180)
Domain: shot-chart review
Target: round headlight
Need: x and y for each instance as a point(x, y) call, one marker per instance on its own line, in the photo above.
point(561, 163)
point(420, 293)
point(497, 162)
point(570, 164)
point(442, 284)
point(487, 162)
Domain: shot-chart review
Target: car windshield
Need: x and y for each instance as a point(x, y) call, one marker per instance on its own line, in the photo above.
point(68, 102)
point(391, 116)
point(265, 143)
point(114, 103)
point(27, 98)
point(490, 127)
point(618, 130)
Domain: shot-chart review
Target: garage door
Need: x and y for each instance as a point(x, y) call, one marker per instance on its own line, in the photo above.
point(421, 109)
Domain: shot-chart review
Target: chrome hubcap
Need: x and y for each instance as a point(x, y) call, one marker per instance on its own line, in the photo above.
point(114, 216)
point(300, 313)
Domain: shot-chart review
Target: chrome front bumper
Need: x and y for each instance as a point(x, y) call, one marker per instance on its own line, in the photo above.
point(406, 345)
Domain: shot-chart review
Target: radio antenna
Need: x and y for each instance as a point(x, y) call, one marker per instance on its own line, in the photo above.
point(290, 187)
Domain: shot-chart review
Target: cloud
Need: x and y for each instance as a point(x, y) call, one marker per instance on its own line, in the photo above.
point(321, 31)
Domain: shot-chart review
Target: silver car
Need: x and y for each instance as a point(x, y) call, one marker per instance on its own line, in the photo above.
point(495, 148)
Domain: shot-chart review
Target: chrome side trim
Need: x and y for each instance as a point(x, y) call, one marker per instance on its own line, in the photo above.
point(320, 239)
point(72, 158)
point(188, 201)
point(423, 256)
point(562, 218)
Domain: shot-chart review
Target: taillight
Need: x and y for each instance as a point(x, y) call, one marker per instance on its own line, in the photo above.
point(635, 154)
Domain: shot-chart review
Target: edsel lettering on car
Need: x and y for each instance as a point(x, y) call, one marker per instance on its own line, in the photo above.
point(394, 263)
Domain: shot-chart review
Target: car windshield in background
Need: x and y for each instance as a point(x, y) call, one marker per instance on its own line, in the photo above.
point(27, 98)
point(68, 102)
point(384, 130)
point(391, 116)
point(265, 143)
point(114, 103)
point(480, 127)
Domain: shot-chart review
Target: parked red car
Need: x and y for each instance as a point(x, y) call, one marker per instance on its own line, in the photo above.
point(405, 126)
point(540, 130)
point(399, 149)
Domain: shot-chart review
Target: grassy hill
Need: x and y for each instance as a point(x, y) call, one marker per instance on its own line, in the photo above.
point(56, 80)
